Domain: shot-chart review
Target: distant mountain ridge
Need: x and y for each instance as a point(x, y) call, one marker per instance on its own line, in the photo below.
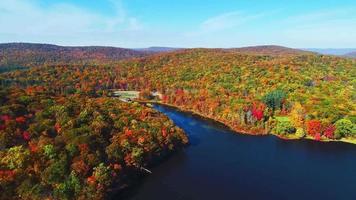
point(34, 54)
point(351, 55)
point(270, 50)
point(158, 49)
point(30, 54)
point(333, 51)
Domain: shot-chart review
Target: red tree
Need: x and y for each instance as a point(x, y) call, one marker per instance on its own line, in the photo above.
point(26, 135)
point(5, 118)
point(20, 120)
point(317, 136)
point(80, 167)
point(33, 146)
point(128, 132)
point(164, 132)
point(314, 127)
point(257, 113)
point(91, 180)
point(180, 92)
point(329, 131)
point(165, 98)
point(58, 128)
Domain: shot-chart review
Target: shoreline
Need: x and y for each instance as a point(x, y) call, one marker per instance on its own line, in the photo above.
point(244, 132)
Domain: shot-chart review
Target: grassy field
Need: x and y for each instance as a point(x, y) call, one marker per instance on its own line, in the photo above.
point(127, 94)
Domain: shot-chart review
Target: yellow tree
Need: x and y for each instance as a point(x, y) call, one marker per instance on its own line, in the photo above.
point(297, 115)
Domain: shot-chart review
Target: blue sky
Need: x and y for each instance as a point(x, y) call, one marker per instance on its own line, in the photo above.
point(181, 23)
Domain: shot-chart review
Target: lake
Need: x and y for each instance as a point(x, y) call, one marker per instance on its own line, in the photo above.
point(220, 164)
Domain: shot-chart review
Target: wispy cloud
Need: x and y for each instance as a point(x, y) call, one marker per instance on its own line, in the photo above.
point(319, 28)
point(82, 24)
point(321, 15)
point(226, 21)
point(322, 28)
point(27, 20)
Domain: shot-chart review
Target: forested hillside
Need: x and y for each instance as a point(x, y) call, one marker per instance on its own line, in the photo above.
point(271, 50)
point(28, 54)
point(62, 134)
point(290, 95)
point(58, 142)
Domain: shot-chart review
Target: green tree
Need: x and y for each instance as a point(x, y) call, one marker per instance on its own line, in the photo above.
point(16, 157)
point(55, 172)
point(137, 156)
point(274, 99)
point(70, 188)
point(284, 127)
point(49, 151)
point(102, 174)
point(344, 127)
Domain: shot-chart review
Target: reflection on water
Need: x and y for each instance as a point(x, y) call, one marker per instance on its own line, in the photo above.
point(222, 165)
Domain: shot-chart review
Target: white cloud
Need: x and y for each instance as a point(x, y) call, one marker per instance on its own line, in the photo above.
point(322, 28)
point(223, 22)
point(226, 21)
point(321, 15)
point(68, 24)
point(26, 20)
point(134, 24)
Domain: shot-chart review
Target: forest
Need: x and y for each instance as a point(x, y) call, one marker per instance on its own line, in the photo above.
point(298, 95)
point(292, 94)
point(33, 54)
point(77, 147)
point(62, 133)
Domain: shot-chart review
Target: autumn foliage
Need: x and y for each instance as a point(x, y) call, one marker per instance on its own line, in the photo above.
point(62, 133)
point(329, 131)
point(86, 145)
point(314, 128)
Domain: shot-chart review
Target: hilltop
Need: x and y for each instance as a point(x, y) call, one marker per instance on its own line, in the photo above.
point(157, 49)
point(31, 54)
point(270, 50)
point(351, 55)
point(332, 51)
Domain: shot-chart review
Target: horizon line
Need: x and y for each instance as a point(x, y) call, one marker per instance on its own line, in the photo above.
point(180, 47)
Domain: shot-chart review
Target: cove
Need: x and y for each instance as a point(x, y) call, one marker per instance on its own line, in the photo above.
point(220, 164)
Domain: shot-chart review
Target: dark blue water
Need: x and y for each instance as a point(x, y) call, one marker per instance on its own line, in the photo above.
point(222, 165)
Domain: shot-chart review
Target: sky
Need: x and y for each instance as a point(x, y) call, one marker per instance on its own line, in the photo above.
point(180, 23)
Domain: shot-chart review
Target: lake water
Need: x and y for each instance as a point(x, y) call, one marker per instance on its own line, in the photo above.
point(219, 164)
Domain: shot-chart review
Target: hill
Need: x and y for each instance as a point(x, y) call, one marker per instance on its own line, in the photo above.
point(226, 85)
point(351, 55)
point(330, 51)
point(253, 93)
point(61, 124)
point(270, 50)
point(157, 49)
point(30, 54)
